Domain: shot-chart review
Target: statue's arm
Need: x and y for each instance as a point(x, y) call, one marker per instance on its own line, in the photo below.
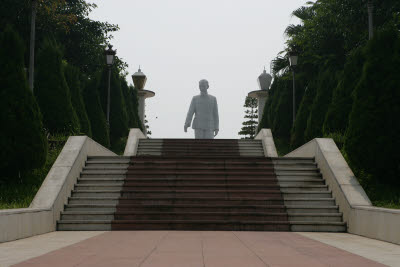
point(190, 114)
point(216, 116)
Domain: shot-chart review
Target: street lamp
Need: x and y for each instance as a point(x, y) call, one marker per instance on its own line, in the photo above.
point(370, 6)
point(293, 63)
point(110, 55)
point(32, 45)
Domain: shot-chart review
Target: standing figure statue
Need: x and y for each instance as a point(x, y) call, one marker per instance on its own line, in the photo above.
point(205, 110)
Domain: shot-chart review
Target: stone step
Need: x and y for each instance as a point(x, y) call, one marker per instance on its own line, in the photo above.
point(178, 181)
point(318, 226)
point(302, 188)
point(106, 167)
point(101, 180)
point(315, 217)
point(209, 225)
point(184, 200)
point(154, 186)
point(300, 182)
point(123, 215)
point(201, 180)
point(177, 208)
point(182, 193)
point(116, 159)
point(292, 209)
point(306, 194)
point(310, 201)
point(105, 174)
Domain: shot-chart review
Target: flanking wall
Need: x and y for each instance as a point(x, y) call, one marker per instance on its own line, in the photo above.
point(42, 215)
point(362, 218)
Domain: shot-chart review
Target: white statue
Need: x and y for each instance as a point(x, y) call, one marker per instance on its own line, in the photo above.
point(205, 110)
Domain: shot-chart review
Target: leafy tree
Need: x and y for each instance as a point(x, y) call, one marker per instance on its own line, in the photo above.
point(372, 139)
point(72, 75)
point(248, 130)
point(52, 91)
point(118, 113)
point(95, 112)
point(337, 117)
point(22, 139)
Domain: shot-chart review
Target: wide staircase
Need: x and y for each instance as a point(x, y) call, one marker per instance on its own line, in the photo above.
point(187, 184)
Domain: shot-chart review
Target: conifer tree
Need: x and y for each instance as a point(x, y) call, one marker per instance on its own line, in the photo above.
point(372, 138)
point(95, 112)
point(131, 106)
point(297, 136)
point(52, 92)
point(248, 130)
point(72, 76)
point(118, 114)
point(337, 117)
point(326, 82)
point(22, 138)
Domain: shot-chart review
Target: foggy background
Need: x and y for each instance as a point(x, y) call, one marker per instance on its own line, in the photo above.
point(179, 42)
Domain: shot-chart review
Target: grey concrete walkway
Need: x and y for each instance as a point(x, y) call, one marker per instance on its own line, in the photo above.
point(169, 248)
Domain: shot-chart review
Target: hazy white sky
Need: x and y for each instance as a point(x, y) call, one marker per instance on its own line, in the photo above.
point(179, 42)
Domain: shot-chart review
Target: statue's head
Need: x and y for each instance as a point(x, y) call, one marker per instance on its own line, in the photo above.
point(203, 85)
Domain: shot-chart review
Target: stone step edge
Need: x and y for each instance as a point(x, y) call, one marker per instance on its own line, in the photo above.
point(197, 222)
point(338, 214)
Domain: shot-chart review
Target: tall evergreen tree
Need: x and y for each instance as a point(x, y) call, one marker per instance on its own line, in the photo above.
point(297, 136)
point(118, 114)
point(95, 112)
point(248, 130)
point(22, 138)
point(72, 76)
point(337, 117)
point(326, 82)
point(52, 92)
point(131, 106)
point(372, 138)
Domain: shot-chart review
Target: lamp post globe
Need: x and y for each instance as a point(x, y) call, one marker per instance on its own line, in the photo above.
point(110, 57)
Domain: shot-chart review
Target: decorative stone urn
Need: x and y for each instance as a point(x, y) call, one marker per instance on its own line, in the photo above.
point(264, 81)
point(139, 81)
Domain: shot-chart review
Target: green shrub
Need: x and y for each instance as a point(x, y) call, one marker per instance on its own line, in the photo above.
point(22, 138)
point(118, 114)
point(131, 104)
point(72, 76)
point(95, 112)
point(372, 138)
point(337, 117)
point(326, 81)
point(52, 91)
point(297, 136)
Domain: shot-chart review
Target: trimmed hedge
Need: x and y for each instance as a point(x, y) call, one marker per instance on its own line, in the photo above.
point(22, 138)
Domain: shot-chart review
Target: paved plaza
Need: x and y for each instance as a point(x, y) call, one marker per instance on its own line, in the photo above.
point(200, 248)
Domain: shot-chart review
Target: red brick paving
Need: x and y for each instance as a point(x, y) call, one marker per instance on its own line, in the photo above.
point(211, 249)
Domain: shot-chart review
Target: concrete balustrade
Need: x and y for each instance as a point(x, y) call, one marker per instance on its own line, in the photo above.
point(133, 142)
point(268, 142)
point(44, 211)
point(362, 218)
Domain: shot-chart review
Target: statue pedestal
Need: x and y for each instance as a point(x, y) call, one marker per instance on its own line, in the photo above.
point(261, 96)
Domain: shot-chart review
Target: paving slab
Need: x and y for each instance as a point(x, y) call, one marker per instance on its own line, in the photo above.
point(197, 248)
point(376, 250)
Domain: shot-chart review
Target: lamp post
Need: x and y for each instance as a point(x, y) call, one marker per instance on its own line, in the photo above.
point(110, 56)
point(32, 45)
point(293, 62)
point(370, 6)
